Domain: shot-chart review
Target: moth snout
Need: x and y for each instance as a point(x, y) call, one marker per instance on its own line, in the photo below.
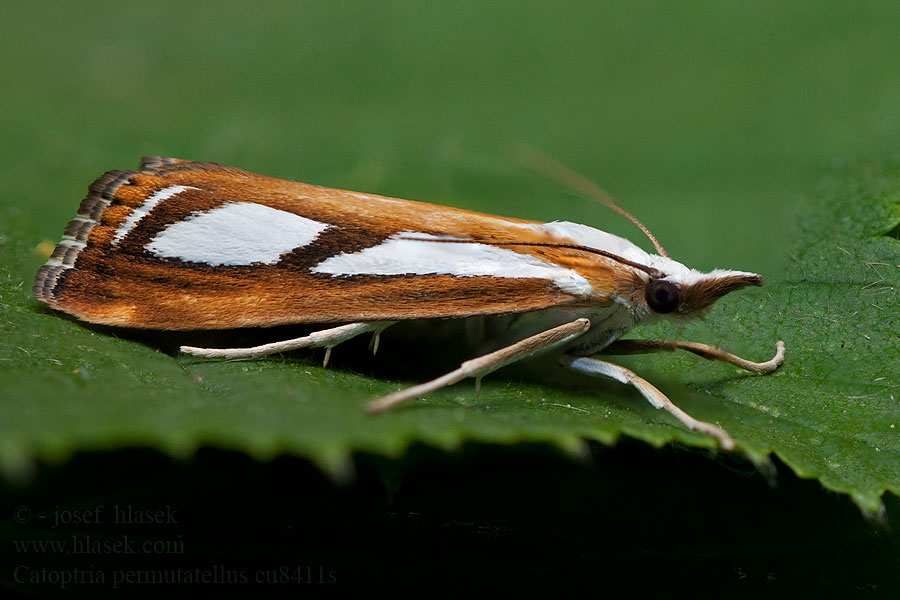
point(705, 290)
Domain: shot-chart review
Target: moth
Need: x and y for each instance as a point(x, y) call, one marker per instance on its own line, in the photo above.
point(183, 245)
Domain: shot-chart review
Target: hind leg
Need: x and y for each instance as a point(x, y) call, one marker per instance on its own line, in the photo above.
point(328, 338)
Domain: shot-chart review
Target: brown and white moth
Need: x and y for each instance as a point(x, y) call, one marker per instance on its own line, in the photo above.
point(182, 245)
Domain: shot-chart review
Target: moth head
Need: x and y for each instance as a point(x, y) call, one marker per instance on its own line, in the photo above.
point(687, 293)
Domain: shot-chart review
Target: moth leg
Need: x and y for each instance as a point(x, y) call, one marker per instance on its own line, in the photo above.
point(596, 367)
point(329, 338)
point(704, 350)
point(481, 366)
point(375, 342)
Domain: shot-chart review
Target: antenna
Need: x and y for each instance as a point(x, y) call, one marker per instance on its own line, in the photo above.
point(538, 161)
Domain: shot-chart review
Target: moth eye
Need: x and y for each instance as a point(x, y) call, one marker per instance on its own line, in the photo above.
point(662, 296)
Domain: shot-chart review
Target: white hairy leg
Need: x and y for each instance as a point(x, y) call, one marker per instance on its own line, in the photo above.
point(328, 338)
point(596, 367)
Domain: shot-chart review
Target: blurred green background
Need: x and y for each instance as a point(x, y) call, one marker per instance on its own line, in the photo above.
point(703, 118)
point(711, 121)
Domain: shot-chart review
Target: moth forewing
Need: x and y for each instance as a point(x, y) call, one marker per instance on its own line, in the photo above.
point(183, 245)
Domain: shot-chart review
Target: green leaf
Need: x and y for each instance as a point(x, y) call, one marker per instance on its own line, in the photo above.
point(830, 412)
point(833, 411)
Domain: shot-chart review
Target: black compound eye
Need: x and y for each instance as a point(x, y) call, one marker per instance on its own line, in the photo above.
point(662, 296)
